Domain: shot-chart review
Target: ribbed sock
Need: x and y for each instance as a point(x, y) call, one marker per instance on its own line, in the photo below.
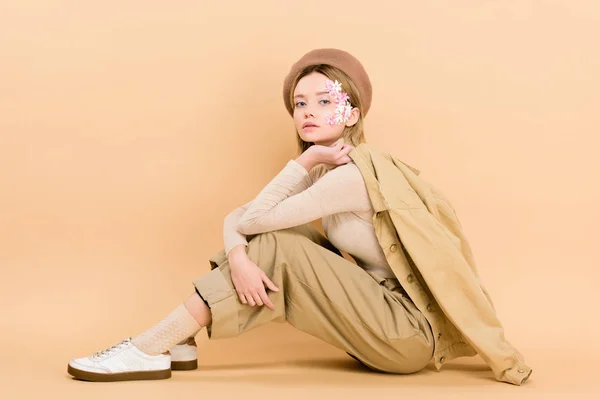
point(191, 336)
point(173, 329)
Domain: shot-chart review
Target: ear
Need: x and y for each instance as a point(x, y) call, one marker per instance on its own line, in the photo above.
point(354, 114)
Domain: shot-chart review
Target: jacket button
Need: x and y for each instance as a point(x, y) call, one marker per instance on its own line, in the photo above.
point(429, 308)
point(393, 247)
point(410, 278)
point(442, 359)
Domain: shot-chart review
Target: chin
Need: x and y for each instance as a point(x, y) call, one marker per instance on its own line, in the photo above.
point(307, 138)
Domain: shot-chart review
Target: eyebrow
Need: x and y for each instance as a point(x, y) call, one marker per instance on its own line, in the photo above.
point(318, 94)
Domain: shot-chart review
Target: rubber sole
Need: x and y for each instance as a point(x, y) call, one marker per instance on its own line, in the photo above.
point(120, 376)
point(184, 365)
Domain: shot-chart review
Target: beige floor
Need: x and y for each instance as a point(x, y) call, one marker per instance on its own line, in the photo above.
point(293, 366)
point(68, 297)
point(63, 309)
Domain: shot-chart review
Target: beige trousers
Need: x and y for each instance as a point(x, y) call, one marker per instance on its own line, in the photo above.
point(325, 295)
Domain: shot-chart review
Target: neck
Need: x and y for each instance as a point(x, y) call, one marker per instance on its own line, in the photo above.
point(331, 142)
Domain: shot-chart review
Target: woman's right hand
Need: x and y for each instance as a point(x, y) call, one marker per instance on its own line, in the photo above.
point(333, 155)
point(249, 281)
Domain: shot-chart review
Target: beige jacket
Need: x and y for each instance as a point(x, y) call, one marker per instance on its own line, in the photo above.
point(423, 241)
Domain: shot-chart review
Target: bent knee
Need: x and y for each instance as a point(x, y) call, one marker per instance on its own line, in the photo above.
point(283, 238)
point(274, 246)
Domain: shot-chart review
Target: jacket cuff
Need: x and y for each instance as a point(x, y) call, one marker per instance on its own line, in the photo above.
point(517, 374)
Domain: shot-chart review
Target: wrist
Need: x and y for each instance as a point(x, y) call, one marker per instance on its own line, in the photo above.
point(236, 252)
point(307, 160)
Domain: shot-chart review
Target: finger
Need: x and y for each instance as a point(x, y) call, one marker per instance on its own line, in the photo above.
point(340, 151)
point(257, 298)
point(265, 297)
point(347, 148)
point(270, 283)
point(242, 298)
point(344, 160)
point(250, 299)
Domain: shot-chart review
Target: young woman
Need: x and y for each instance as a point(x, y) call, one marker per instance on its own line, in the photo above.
point(288, 271)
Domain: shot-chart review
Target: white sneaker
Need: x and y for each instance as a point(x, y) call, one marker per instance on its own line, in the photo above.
point(121, 362)
point(184, 356)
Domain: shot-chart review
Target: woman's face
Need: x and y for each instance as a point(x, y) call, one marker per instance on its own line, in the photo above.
point(312, 104)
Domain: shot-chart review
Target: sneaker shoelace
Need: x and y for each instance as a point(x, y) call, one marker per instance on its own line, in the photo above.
point(111, 349)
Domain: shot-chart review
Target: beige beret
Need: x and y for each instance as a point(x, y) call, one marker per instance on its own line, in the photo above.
point(336, 58)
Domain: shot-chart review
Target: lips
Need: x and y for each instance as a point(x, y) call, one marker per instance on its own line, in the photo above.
point(309, 125)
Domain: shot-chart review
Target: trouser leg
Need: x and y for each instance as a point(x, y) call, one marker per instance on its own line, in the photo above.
point(322, 294)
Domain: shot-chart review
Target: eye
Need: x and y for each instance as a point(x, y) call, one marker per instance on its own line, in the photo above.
point(327, 101)
point(298, 103)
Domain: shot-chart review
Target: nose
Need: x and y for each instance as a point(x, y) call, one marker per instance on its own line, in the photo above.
point(308, 113)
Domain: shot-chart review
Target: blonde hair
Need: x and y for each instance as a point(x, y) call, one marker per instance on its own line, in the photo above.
point(352, 134)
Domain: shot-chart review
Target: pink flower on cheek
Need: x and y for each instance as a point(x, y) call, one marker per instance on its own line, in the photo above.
point(342, 112)
point(343, 97)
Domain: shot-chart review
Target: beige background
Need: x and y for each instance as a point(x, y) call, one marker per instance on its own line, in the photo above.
point(129, 129)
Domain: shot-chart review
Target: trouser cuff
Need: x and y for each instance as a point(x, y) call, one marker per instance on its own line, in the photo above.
point(216, 291)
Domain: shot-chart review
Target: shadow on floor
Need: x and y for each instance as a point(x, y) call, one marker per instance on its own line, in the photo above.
point(335, 372)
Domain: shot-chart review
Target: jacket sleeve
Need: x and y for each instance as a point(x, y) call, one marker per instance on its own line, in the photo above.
point(458, 292)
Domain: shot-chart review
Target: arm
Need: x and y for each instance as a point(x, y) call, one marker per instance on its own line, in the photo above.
point(277, 207)
point(231, 237)
point(234, 239)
